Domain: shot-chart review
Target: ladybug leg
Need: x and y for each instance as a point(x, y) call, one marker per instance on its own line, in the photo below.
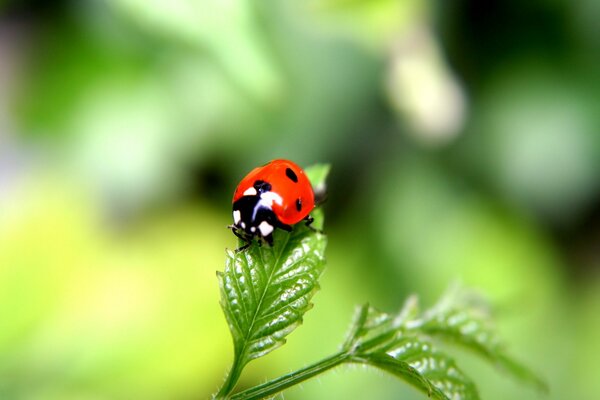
point(242, 248)
point(248, 241)
point(269, 239)
point(285, 227)
point(275, 222)
point(309, 220)
point(234, 229)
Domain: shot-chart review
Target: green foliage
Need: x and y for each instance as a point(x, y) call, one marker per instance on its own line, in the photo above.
point(395, 344)
point(402, 344)
point(462, 318)
point(265, 301)
point(266, 290)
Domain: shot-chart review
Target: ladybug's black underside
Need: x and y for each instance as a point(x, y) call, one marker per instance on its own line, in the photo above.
point(255, 220)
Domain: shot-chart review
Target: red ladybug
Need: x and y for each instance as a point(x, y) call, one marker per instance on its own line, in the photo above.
point(276, 195)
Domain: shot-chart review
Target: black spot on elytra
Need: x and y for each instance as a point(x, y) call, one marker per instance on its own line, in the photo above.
point(262, 186)
point(298, 204)
point(291, 174)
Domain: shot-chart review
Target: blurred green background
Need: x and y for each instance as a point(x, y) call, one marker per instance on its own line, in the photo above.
point(465, 144)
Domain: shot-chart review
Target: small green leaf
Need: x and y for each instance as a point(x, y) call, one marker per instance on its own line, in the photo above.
point(372, 327)
point(433, 366)
point(317, 174)
point(404, 371)
point(463, 319)
point(388, 342)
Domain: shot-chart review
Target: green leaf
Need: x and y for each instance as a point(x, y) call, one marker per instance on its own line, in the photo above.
point(266, 290)
point(406, 337)
point(317, 174)
point(462, 318)
point(431, 370)
point(372, 327)
point(399, 344)
point(404, 371)
point(389, 343)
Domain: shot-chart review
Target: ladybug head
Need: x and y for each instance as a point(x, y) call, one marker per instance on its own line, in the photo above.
point(253, 216)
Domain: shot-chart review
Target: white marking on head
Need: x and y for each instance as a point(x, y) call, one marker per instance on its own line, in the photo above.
point(250, 192)
point(243, 225)
point(268, 198)
point(252, 229)
point(265, 228)
point(236, 216)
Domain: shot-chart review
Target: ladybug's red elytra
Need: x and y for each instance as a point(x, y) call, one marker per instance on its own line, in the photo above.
point(276, 195)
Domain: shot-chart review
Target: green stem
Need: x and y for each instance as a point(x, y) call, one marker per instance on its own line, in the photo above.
point(231, 381)
point(291, 379)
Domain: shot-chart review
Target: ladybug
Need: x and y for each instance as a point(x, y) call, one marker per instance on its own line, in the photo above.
point(275, 195)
